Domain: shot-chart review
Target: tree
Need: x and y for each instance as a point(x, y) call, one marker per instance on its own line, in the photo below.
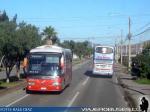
point(27, 37)
point(79, 49)
point(15, 40)
point(8, 47)
point(4, 16)
point(142, 60)
point(51, 34)
point(82, 49)
point(3, 20)
point(14, 18)
point(88, 48)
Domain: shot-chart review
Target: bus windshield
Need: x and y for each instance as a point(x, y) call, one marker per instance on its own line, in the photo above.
point(104, 50)
point(44, 64)
point(103, 54)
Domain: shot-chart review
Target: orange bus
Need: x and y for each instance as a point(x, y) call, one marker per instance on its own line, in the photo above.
point(49, 68)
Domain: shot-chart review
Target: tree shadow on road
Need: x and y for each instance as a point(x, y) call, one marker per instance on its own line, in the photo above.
point(2, 87)
point(90, 74)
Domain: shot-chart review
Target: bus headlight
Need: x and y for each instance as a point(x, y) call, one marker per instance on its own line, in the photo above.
point(56, 84)
point(31, 83)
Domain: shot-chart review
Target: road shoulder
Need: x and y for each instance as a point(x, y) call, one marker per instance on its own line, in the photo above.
point(133, 91)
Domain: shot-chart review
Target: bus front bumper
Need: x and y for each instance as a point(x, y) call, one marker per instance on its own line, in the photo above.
point(44, 88)
point(35, 84)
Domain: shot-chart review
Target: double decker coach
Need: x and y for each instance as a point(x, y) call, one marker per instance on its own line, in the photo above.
point(103, 60)
point(49, 68)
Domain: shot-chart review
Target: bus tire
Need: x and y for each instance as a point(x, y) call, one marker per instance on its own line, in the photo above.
point(28, 91)
point(64, 84)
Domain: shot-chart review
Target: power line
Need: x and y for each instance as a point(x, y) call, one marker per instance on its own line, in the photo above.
point(97, 37)
point(144, 26)
point(147, 24)
point(87, 26)
point(148, 29)
point(88, 17)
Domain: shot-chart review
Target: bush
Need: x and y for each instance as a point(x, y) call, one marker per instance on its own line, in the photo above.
point(142, 63)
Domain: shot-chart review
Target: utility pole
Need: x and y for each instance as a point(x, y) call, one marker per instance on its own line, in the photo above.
point(121, 42)
point(129, 44)
point(116, 51)
point(92, 40)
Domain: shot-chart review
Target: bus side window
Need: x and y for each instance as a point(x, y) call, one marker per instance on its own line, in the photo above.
point(69, 58)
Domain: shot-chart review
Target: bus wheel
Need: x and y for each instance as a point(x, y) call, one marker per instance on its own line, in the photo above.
point(110, 76)
point(28, 91)
point(64, 85)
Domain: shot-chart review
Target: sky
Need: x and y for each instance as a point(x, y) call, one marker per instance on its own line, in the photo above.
point(99, 21)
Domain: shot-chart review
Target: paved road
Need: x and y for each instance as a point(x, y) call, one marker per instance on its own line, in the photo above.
point(85, 90)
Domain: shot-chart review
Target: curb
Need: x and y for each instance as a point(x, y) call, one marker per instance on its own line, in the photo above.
point(20, 85)
point(127, 96)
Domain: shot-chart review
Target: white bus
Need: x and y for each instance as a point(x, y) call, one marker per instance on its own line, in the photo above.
point(103, 60)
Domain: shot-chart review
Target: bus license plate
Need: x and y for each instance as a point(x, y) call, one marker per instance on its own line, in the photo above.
point(103, 66)
point(43, 88)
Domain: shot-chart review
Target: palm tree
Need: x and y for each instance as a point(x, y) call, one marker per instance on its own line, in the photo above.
point(50, 34)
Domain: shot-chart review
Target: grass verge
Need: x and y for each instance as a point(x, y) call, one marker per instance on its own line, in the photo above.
point(7, 85)
point(13, 82)
point(143, 81)
point(76, 61)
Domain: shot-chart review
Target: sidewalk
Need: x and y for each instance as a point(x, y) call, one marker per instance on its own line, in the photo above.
point(12, 73)
point(3, 74)
point(136, 91)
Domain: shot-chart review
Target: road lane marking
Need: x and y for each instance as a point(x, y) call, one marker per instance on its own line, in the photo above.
point(16, 101)
point(73, 99)
point(85, 81)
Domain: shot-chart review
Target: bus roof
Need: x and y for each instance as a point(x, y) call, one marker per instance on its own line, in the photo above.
point(49, 48)
point(103, 46)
